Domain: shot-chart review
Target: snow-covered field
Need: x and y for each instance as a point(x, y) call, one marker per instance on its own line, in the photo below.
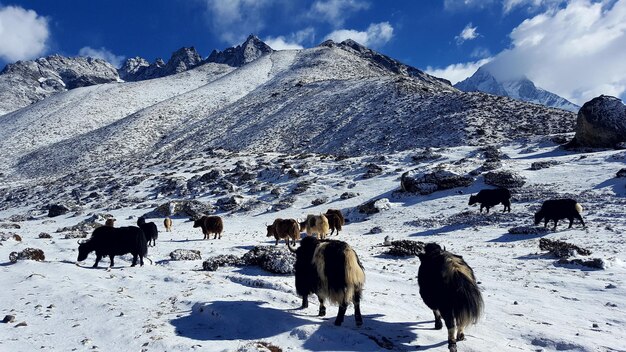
point(531, 303)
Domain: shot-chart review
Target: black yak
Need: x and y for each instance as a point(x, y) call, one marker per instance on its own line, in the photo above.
point(331, 270)
point(335, 220)
point(112, 241)
point(492, 197)
point(557, 209)
point(210, 224)
point(149, 229)
point(284, 229)
point(448, 287)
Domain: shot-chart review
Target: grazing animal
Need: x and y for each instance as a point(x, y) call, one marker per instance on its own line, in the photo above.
point(110, 222)
point(317, 224)
point(448, 287)
point(492, 197)
point(330, 269)
point(284, 229)
point(556, 209)
point(210, 225)
point(149, 229)
point(335, 220)
point(167, 222)
point(112, 241)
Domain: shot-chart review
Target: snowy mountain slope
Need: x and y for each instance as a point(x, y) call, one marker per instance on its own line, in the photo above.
point(523, 89)
point(329, 99)
point(83, 110)
point(531, 303)
point(26, 82)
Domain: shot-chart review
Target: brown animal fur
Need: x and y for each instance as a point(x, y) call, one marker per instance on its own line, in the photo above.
point(210, 225)
point(354, 275)
point(317, 224)
point(110, 222)
point(167, 222)
point(284, 229)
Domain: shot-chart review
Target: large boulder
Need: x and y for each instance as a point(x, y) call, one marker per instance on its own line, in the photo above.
point(426, 183)
point(57, 209)
point(601, 123)
point(505, 179)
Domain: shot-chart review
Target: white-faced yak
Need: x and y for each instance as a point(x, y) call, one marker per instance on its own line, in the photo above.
point(112, 241)
point(331, 270)
point(448, 287)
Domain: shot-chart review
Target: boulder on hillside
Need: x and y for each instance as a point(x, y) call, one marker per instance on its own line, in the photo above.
point(505, 179)
point(426, 183)
point(601, 123)
point(57, 209)
point(186, 208)
point(27, 254)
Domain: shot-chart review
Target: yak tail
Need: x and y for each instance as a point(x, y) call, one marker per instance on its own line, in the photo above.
point(355, 276)
point(579, 208)
point(467, 301)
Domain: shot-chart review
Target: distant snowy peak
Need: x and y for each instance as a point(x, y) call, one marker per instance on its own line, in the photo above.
point(25, 82)
point(522, 89)
point(384, 61)
point(250, 50)
point(139, 69)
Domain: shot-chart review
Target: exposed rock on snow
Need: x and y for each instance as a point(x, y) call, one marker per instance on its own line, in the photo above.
point(505, 179)
point(139, 69)
point(27, 254)
point(404, 248)
point(193, 209)
point(528, 230)
point(538, 165)
point(211, 264)
point(374, 206)
point(185, 254)
point(57, 209)
point(561, 249)
point(319, 201)
point(348, 195)
point(425, 183)
point(621, 173)
point(250, 50)
point(274, 259)
point(601, 123)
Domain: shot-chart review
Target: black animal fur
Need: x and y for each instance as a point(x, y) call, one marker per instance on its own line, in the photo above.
point(448, 287)
point(149, 229)
point(492, 197)
point(112, 241)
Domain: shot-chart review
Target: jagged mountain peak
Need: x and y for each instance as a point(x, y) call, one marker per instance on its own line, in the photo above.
point(251, 49)
point(522, 88)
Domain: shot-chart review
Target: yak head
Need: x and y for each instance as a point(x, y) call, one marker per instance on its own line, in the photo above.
point(83, 250)
point(141, 221)
point(271, 230)
point(473, 200)
point(430, 249)
point(198, 222)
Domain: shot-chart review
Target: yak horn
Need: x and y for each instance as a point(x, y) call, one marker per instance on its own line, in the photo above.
point(291, 249)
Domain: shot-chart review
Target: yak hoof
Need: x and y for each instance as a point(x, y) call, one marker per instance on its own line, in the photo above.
point(438, 325)
point(452, 346)
point(322, 312)
point(359, 322)
point(460, 336)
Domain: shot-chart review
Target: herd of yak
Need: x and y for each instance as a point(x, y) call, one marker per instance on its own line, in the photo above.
point(447, 283)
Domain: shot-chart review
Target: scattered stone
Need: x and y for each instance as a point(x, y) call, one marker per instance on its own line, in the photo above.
point(374, 206)
point(492, 152)
point(376, 230)
point(274, 259)
point(609, 286)
point(8, 319)
point(425, 155)
point(528, 230)
point(229, 203)
point(302, 186)
point(515, 303)
point(405, 248)
point(44, 235)
point(426, 183)
point(505, 179)
point(213, 263)
point(193, 209)
point(185, 254)
point(21, 324)
point(561, 249)
point(491, 164)
point(348, 195)
point(27, 254)
point(57, 209)
point(621, 173)
point(73, 235)
point(88, 225)
point(601, 123)
point(373, 170)
point(594, 325)
point(595, 263)
point(319, 201)
point(538, 165)
point(10, 226)
point(284, 203)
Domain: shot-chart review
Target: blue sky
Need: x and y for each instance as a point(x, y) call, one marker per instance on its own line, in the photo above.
point(552, 42)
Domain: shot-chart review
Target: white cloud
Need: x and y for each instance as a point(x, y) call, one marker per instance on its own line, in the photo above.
point(335, 11)
point(453, 5)
point(531, 5)
point(23, 33)
point(234, 20)
point(577, 51)
point(468, 33)
point(292, 41)
point(457, 72)
point(102, 53)
point(376, 35)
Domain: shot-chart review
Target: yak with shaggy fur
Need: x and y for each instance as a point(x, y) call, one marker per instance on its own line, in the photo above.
point(448, 287)
point(284, 229)
point(556, 209)
point(492, 197)
point(317, 224)
point(335, 220)
point(330, 269)
point(167, 223)
point(210, 225)
point(112, 241)
point(149, 229)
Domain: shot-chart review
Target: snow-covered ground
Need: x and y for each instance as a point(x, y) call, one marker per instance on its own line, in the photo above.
point(531, 304)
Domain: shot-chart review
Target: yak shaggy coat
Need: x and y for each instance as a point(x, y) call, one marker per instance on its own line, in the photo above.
point(210, 224)
point(332, 270)
point(448, 287)
point(284, 229)
point(112, 241)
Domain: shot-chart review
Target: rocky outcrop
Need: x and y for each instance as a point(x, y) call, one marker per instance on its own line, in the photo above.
point(252, 49)
point(505, 179)
point(139, 69)
point(26, 82)
point(27, 254)
point(601, 123)
point(429, 182)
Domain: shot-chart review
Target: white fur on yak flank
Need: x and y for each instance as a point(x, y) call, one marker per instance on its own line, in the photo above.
point(355, 277)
